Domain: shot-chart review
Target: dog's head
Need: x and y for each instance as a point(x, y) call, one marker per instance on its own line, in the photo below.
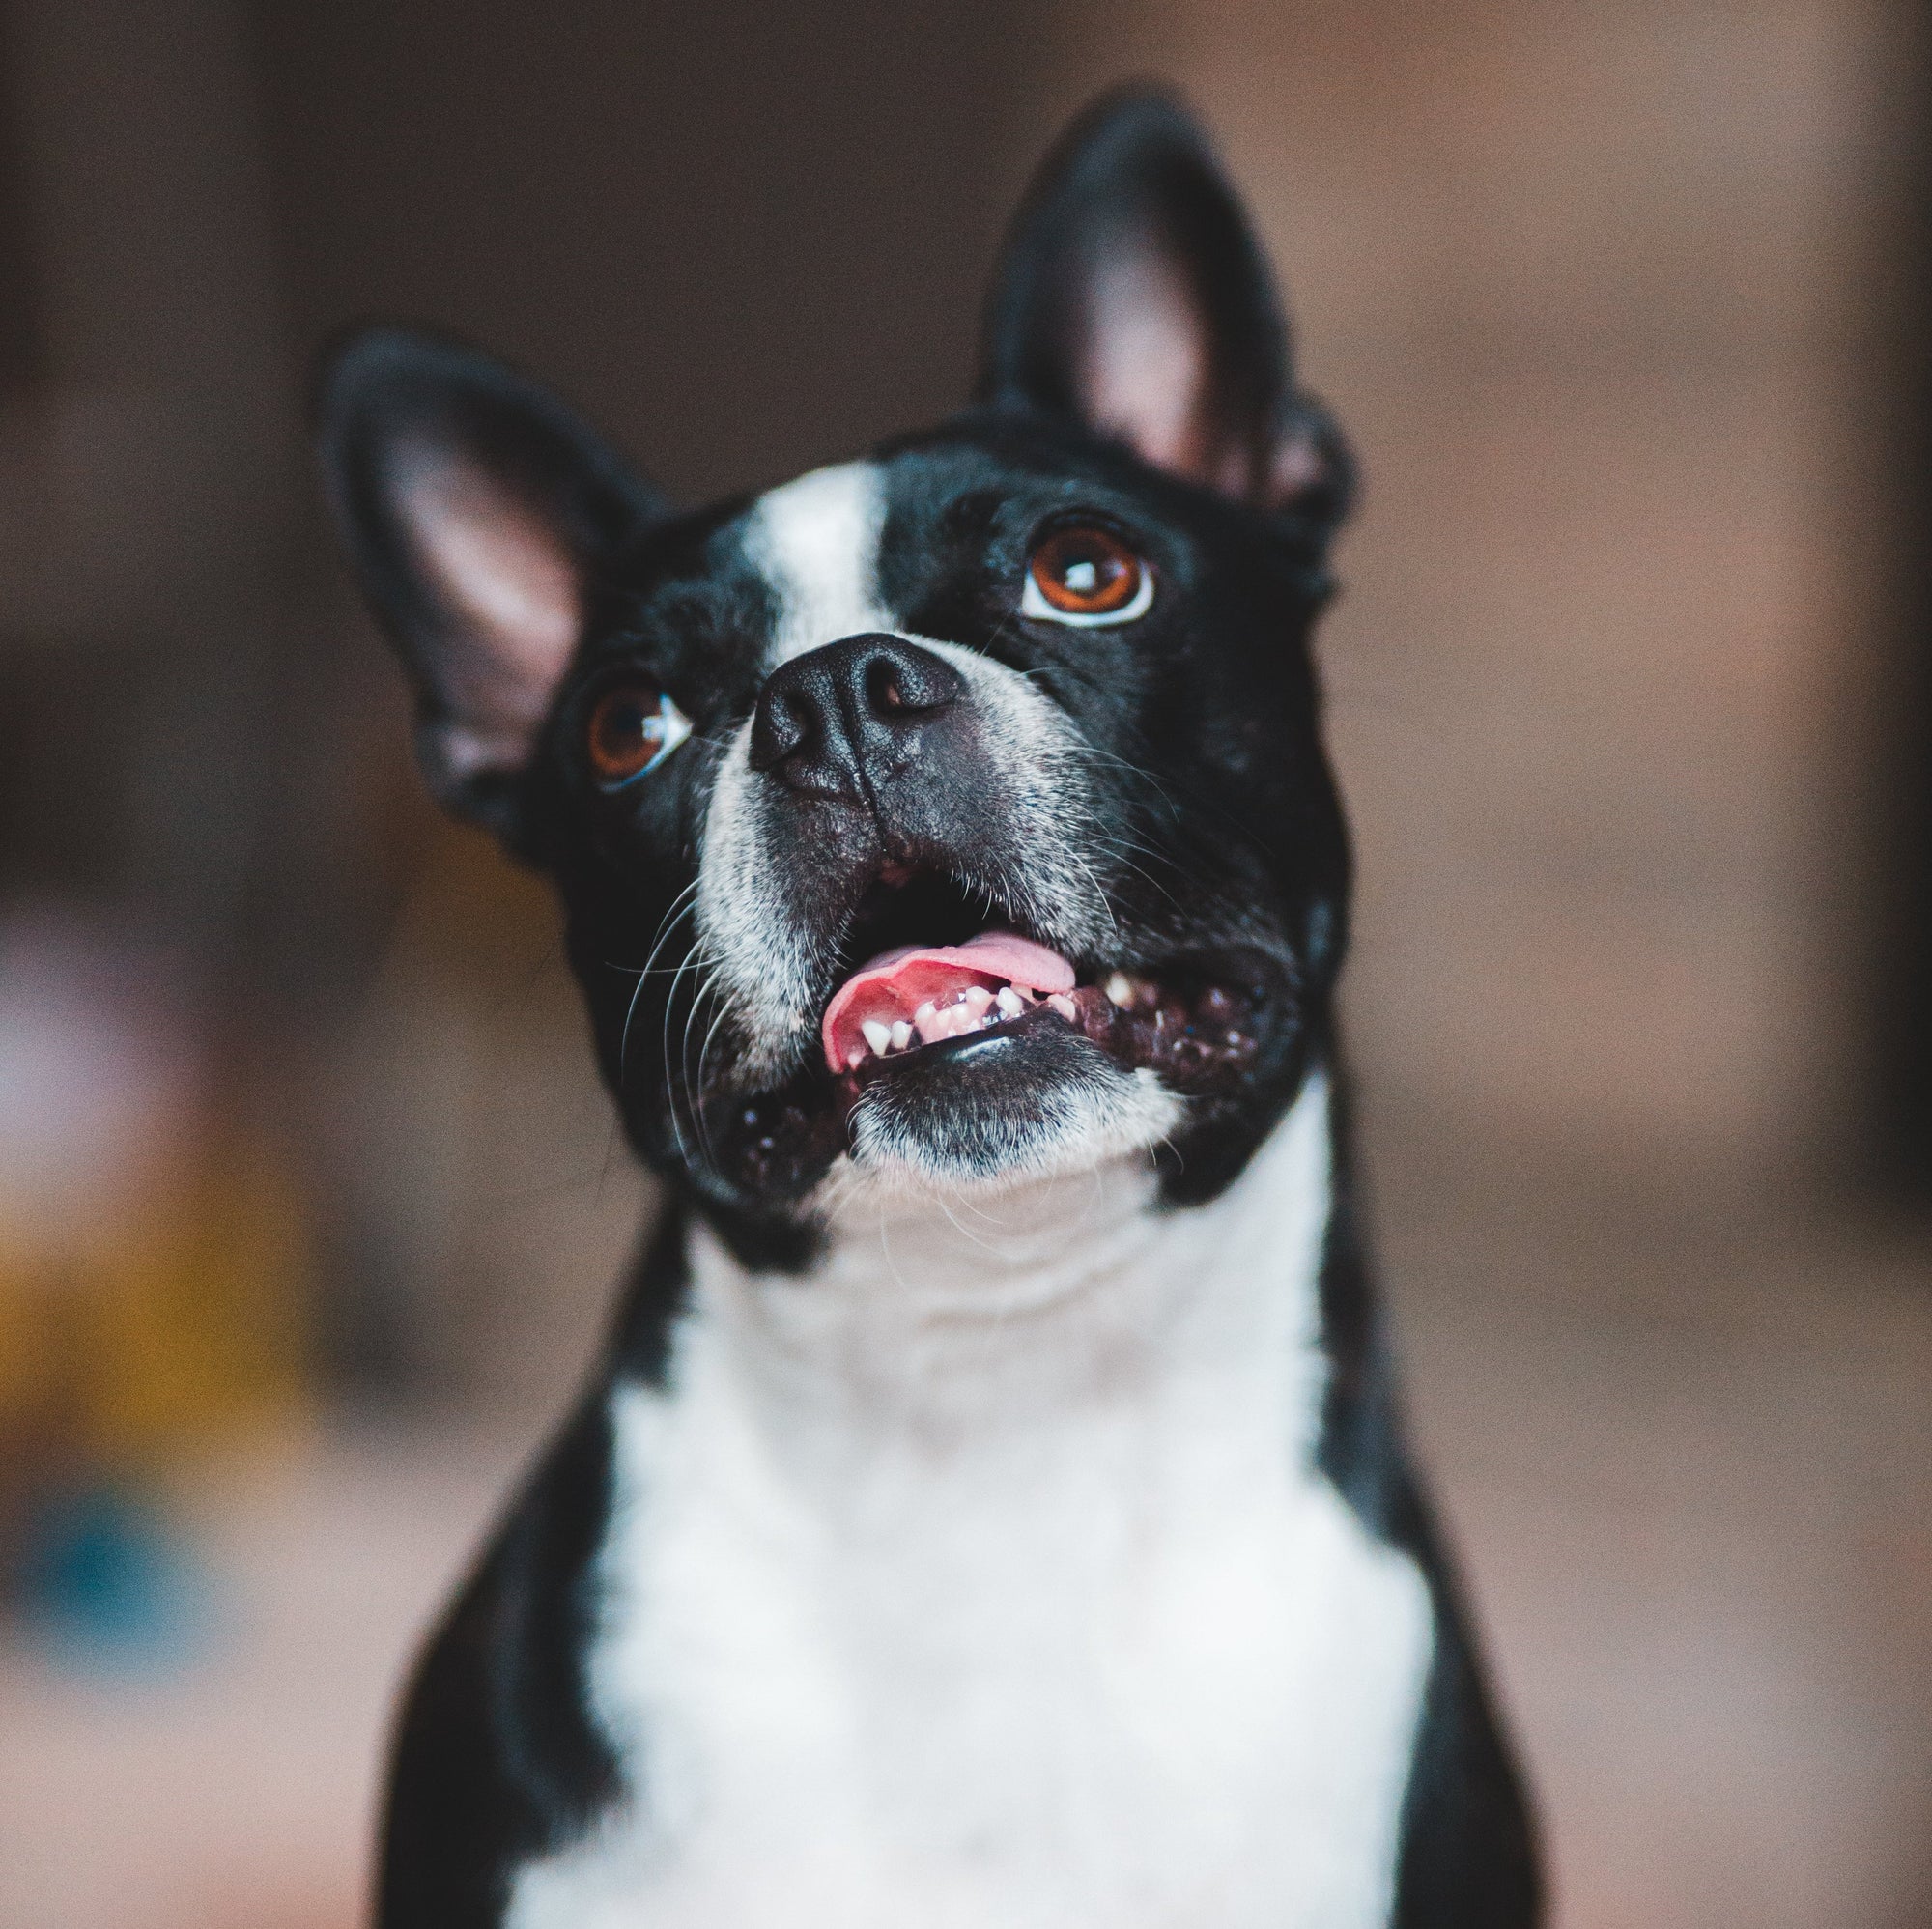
point(960, 810)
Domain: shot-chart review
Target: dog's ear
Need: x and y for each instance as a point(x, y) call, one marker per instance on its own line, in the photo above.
point(1133, 296)
point(480, 517)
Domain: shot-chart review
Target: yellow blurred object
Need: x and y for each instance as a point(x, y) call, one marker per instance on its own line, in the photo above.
point(176, 1319)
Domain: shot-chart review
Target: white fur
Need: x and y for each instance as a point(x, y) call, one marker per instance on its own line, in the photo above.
point(817, 540)
point(766, 965)
point(983, 1579)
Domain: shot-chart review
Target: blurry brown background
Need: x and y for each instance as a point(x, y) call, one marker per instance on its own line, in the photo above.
point(308, 1205)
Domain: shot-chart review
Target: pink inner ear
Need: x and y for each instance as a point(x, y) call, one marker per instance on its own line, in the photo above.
point(509, 587)
point(1145, 363)
point(1298, 465)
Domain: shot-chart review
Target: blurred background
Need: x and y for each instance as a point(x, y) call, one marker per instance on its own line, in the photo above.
point(309, 1206)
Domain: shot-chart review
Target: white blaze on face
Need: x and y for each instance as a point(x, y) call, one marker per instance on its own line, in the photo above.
point(816, 541)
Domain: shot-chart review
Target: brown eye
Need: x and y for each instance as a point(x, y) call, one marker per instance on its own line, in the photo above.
point(632, 729)
point(1086, 576)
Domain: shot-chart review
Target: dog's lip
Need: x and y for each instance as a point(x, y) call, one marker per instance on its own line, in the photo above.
point(968, 1045)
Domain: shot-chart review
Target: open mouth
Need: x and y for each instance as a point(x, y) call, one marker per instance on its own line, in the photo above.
point(916, 995)
point(971, 977)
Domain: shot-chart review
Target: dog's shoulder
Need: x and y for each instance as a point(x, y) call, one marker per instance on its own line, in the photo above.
point(497, 1758)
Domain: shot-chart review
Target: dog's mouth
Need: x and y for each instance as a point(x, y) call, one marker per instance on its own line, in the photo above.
point(941, 970)
point(935, 975)
point(913, 996)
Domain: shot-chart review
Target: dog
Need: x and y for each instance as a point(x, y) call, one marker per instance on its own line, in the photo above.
point(990, 1511)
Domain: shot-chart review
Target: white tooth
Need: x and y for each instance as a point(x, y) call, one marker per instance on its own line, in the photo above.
point(855, 1058)
point(1119, 990)
point(1065, 1006)
point(901, 1036)
point(1008, 1001)
point(927, 1010)
point(978, 999)
point(879, 1037)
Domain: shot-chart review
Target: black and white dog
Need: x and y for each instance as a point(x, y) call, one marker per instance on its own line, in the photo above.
point(990, 1512)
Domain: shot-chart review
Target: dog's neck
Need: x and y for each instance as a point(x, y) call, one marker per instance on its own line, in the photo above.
point(931, 1322)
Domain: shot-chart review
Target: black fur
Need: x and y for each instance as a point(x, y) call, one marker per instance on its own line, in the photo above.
point(1469, 1850)
point(1225, 865)
point(496, 1760)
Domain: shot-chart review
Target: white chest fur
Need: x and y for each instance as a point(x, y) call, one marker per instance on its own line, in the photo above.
point(982, 1580)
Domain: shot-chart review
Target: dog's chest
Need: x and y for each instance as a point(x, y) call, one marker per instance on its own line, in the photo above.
point(1088, 1645)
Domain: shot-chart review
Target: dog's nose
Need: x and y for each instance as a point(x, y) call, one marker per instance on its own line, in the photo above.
point(842, 720)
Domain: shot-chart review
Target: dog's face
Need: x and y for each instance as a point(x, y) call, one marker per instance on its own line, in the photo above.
point(960, 812)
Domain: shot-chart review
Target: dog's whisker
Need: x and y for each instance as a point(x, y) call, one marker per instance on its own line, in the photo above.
point(695, 1085)
point(691, 962)
point(681, 907)
point(694, 1096)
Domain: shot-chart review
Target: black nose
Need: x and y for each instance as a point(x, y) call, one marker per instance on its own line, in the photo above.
point(844, 721)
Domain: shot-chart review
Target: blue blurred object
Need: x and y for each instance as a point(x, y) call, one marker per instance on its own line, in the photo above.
point(106, 1580)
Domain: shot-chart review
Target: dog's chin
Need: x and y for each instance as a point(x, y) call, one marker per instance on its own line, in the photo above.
point(1030, 1101)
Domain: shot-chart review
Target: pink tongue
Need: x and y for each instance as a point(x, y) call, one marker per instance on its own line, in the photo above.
point(895, 983)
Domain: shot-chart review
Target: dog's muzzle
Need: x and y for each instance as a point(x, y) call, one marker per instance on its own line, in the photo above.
point(867, 761)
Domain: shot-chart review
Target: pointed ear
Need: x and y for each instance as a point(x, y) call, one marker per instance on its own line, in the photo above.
point(479, 516)
point(1133, 296)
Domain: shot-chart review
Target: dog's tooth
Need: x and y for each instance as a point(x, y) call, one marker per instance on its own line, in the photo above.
point(978, 999)
point(1065, 1006)
point(1008, 1001)
point(1120, 989)
point(855, 1058)
point(878, 1035)
point(929, 1022)
point(901, 1036)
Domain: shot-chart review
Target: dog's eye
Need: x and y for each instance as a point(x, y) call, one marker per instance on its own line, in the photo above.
point(632, 729)
point(1086, 576)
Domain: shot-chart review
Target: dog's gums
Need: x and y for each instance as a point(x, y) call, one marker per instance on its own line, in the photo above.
point(931, 992)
